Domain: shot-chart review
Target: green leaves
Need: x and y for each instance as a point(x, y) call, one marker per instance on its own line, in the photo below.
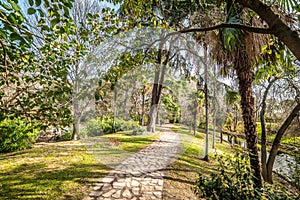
point(31, 11)
point(14, 5)
point(38, 2)
point(54, 21)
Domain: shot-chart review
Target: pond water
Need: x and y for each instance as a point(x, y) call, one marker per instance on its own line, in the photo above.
point(284, 164)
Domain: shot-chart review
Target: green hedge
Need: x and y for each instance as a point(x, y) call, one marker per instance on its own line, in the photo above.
point(16, 135)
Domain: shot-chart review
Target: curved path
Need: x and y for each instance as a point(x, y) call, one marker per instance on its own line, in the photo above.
point(140, 177)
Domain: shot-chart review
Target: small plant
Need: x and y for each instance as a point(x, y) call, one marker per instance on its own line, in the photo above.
point(66, 135)
point(138, 131)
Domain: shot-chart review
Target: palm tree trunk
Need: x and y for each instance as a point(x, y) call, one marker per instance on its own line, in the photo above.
point(245, 76)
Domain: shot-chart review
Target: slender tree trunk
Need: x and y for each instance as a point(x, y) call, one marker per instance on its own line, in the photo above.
point(263, 131)
point(214, 109)
point(245, 76)
point(143, 108)
point(195, 116)
point(276, 143)
point(115, 110)
point(221, 135)
point(75, 134)
point(235, 118)
point(206, 105)
point(76, 113)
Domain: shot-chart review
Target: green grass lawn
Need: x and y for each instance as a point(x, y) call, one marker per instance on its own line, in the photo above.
point(64, 170)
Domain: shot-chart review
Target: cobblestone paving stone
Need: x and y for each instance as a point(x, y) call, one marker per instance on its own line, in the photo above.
point(140, 177)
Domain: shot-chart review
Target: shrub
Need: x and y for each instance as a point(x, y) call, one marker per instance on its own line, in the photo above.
point(122, 125)
point(17, 134)
point(66, 134)
point(234, 181)
point(95, 127)
point(138, 131)
point(100, 126)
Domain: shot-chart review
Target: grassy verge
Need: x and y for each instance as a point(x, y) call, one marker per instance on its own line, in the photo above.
point(184, 171)
point(64, 170)
point(61, 170)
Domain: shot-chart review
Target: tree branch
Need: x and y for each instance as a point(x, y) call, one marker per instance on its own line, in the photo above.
point(4, 53)
point(222, 26)
point(20, 28)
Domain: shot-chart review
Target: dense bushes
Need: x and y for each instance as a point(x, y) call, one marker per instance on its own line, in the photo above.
point(100, 126)
point(16, 135)
point(234, 181)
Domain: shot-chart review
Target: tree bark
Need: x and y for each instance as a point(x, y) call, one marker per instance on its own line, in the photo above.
point(153, 107)
point(263, 131)
point(206, 104)
point(245, 76)
point(115, 110)
point(143, 106)
point(76, 113)
point(284, 33)
point(195, 116)
point(276, 143)
point(157, 87)
point(75, 134)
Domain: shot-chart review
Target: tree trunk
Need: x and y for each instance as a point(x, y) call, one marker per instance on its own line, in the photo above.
point(290, 38)
point(276, 143)
point(195, 116)
point(206, 104)
point(153, 107)
point(157, 116)
point(214, 109)
point(235, 118)
point(245, 76)
point(157, 88)
point(152, 118)
point(115, 110)
point(76, 113)
point(221, 135)
point(263, 131)
point(143, 107)
point(75, 134)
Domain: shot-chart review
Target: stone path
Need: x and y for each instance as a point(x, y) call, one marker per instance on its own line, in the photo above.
point(140, 177)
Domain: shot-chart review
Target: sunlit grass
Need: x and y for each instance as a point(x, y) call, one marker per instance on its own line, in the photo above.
point(63, 170)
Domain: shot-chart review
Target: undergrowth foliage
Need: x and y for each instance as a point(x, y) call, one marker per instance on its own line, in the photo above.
point(17, 134)
point(99, 126)
point(234, 180)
